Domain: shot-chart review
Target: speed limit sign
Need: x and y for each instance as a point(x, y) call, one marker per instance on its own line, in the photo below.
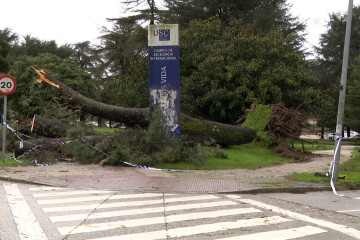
point(7, 84)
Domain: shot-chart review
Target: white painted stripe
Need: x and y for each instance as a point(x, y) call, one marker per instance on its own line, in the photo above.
point(156, 235)
point(211, 214)
point(111, 225)
point(137, 211)
point(337, 227)
point(58, 193)
point(27, 225)
point(357, 198)
point(199, 205)
point(224, 226)
point(103, 206)
point(109, 214)
point(190, 198)
point(41, 189)
point(73, 200)
point(280, 234)
point(100, 197)
point(345, 211)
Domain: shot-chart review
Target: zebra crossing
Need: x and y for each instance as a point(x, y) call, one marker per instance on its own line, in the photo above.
point(108, 215)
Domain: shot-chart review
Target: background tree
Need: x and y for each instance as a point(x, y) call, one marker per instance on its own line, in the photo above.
point(126, 39)
point(30, 98)
point(330, 52)
point(225, 70)
point(4, 51)
point(267, 14)
point(145, 10)
point(31, 46)
point(83, 55)
point(352, 109)
point(329, 59)
point(9, 36)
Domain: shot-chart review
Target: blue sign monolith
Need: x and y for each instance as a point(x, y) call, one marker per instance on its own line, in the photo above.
point(164, 73)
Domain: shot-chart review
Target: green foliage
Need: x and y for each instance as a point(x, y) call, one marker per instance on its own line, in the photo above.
point(31, 46)
point(352, 108)
point(328, 72)
point(4, 51)
point(31, 98)
point(266, 14)
point(226, 69)
point(139, 146)
point(81, 151)
point(131, 88)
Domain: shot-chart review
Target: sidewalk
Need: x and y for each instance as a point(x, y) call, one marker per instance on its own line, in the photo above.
point(135, 179)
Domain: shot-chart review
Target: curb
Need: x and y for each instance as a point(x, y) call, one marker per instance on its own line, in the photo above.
point(249, 191)
point(17, 180)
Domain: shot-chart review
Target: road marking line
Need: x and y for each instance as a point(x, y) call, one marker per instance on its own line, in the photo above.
point(27, 225)
point(345, 211)
point(156, 235)
point(41, 189)
point(211, 214)
point(337, 227)
point(102, 206)
point(120, 213)
point(73, 200)
point(224, 226)
point(199, 205)
point(190, 198)
point(103, 197)
point(40, 194)
point(111, 225)
point(177, 232)
point(286, 234)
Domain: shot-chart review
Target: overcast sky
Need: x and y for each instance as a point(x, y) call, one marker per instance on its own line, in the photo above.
point(72, 21)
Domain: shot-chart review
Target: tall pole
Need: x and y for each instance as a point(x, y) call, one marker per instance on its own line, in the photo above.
point(341, 106)
point(4, 130)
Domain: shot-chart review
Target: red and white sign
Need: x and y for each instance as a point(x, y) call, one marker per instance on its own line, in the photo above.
point(7, 84)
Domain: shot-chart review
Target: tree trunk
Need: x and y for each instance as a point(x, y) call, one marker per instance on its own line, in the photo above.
point(48, 144)
point(52, 128)
point(224, 134)
point(48, 127)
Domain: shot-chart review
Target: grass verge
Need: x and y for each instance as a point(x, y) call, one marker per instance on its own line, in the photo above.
point(349, 169)
point(247, 156)
point(9, 162)
point(315, 146)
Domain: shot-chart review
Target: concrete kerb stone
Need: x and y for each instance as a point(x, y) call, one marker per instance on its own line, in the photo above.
point(248, 191)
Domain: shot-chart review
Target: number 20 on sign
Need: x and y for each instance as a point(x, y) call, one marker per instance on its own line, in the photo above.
point(7, 84)
point(7, 87)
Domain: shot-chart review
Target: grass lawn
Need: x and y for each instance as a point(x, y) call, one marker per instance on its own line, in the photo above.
point(9, 161)
point(104, 130)
point(247, 156)
point(351, 169)
point(316, 146)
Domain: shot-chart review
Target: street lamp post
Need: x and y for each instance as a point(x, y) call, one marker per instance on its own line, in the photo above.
point(341, 106)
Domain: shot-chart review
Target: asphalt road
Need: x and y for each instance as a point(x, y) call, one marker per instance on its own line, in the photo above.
point(39, 212)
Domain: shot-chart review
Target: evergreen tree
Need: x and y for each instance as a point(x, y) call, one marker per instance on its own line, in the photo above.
point(266, 14)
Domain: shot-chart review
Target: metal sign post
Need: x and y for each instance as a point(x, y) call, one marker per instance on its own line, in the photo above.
point(341, 106)
point(164, 73)
point(7, 87)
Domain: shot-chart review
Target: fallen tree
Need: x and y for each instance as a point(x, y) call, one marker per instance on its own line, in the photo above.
point(53, 128)
point(49, 144)
point(223, 134)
